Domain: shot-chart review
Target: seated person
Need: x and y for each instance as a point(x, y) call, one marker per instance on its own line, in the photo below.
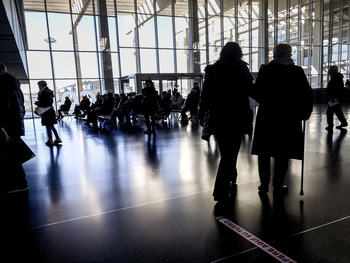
point(105, 108)
point(164, 105)
point(64, 107)
point(136, 105)
point(191, 104)
point(123, 110)
point(177, 102)
point(84, 106)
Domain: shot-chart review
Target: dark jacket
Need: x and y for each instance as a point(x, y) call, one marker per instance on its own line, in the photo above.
point(150, 102)
point(225, 95)
point(285, 99)
point(11, 105)
point(335, 87)
point(45, 99)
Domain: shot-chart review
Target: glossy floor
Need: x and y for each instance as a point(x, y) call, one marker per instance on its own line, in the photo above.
point(123, 196)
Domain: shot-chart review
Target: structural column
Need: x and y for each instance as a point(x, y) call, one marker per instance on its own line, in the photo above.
point(106, 60)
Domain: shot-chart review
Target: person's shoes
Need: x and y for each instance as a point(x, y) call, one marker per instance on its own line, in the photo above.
point(57, 141)
point(342, 125)
point(329, 128)
point(49, 143)
point(280, 191)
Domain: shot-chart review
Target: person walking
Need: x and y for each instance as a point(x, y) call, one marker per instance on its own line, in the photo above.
point(334, 96)
point(48, 118)
point(12, 175)
point(285, 99)
point(225, 94)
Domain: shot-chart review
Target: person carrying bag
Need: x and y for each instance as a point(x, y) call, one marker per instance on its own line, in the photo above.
point(12, 175)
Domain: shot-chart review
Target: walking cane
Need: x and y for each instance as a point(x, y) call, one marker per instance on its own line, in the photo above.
point(302, 162)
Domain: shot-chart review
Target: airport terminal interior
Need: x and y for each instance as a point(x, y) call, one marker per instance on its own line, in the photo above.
point(116, 194)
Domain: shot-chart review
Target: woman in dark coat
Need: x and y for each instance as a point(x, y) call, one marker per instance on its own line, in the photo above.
point(285, 99)
point(225, 96)
point(48, 118)
point(12, 175)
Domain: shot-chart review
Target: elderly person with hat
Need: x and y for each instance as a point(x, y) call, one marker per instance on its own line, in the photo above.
point(285, 100)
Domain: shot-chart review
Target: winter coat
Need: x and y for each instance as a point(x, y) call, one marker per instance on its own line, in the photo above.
point(225, 95)
point(150, 102)
point(45, 99)
point(11, 105)
point(285, 99)
point(335, 87)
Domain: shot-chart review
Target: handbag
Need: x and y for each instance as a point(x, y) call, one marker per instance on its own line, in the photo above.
point(14, 149)
point(206, 123)
point(41, 110)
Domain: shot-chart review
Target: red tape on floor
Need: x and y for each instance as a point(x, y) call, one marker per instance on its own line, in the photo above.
point(255, 240)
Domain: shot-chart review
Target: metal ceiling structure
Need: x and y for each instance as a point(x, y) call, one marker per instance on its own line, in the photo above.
point(13, 39)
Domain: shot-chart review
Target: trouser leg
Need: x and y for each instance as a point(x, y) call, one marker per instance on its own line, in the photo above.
point(229, 145)
point(329, 114)
point(339, 113)
point(281, 168)
point(264, 167)
point(55, 132)
point(49, 132)
point(147, 121)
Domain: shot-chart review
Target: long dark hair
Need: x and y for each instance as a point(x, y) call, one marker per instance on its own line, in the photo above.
point(231, 51)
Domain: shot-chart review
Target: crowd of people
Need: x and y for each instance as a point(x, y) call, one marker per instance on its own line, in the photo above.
point(125, 108)
point(277, 112)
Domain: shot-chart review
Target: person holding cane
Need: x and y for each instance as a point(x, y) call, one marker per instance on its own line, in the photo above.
point(285, 100)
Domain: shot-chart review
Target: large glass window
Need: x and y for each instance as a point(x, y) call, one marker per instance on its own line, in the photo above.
point(37, 31)
point(126, 30)
point(86, 34)
point(146, 33)
point(72, 59)
point(64, 64)
point(39, 65)
point(61, 31)
point(165, 32)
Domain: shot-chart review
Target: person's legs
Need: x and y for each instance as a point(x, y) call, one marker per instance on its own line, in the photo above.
point(229, 145)
point(55, 133)
point(264, 172)
point(329, 114)
point(49, 132)
point(153, 122)
point(148, 123)
point(340, 115)
point(281, 168)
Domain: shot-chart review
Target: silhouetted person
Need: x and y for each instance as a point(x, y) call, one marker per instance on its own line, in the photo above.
point(84, 107)
point(150, 106)
point(225, 95)
point(334, 96)
point(285, 99)
point(12, 175)
point(64, 107)
point(48, 118)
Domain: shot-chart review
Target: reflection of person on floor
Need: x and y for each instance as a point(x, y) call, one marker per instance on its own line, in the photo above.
point(12, 112)
point(334, 96)
point(285, 99)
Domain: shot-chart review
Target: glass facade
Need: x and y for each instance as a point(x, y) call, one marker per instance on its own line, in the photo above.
point(87, 46)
